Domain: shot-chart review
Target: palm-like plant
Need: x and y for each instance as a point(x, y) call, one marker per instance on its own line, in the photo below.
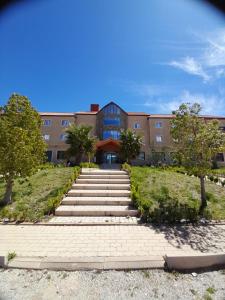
point(80, 141)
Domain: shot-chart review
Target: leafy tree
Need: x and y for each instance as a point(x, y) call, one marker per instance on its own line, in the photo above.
point(130, 144)
point(197, 142)
point(89, 147)
point(22, 147)
point(80, 141)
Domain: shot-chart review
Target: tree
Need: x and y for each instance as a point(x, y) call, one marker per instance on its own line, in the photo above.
point(22, 147)
point(89, 147)
point(197, 141)
point(80, 141)
point(130, 144)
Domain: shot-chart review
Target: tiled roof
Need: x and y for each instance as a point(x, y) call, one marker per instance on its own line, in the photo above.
point(170, 116)
point(137, 114)
point(86, 113)
point(56, 114)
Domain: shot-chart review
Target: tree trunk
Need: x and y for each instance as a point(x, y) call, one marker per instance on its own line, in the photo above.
point(8, 193)
point(89, 158)
point(203, 195)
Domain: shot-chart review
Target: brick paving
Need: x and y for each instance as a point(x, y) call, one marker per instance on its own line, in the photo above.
point(86, 241)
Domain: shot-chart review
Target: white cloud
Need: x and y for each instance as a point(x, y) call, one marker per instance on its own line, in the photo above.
point(210, 62)
point(211, 104)
point(191, 66)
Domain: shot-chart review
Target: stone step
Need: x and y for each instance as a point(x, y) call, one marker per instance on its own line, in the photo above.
point(103, 180)
point(76, 220)
point(100, 186)
point(97, 192)
point(104, 210)
point(103, 176)
point(102, 172)
point(96, 201)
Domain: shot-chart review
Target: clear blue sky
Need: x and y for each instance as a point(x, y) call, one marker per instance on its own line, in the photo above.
point(146, 55)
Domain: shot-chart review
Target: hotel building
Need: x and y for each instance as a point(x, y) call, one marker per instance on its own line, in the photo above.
point(107, 122)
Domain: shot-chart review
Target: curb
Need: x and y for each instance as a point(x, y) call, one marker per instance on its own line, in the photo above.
point(87, 263)
point(191, 262)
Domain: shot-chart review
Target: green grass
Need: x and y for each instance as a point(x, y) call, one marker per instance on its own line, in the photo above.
point(167, 195)
point(38, 195)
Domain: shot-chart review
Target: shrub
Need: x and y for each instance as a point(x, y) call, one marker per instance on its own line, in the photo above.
point(56, 196)
point(89, 165)
point(126, 167)
point(216, 179)
point(167, 209)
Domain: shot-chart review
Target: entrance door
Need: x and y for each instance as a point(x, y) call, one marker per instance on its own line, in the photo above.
point(110, 158)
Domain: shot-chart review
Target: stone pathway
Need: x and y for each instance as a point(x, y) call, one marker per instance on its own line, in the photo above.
point(98, 197)
point(105, 247)
point(89, 241)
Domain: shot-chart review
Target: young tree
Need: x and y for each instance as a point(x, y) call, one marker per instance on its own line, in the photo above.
point(80, 141)
point(21, 144)
point(89, 147)
point(197, 142)
point(130, 144)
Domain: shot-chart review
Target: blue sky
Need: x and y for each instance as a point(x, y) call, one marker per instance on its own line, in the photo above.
point(146, 55)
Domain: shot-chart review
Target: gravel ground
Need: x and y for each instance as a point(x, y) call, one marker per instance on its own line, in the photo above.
point(151, 284)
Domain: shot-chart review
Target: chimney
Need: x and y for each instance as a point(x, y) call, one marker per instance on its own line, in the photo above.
point(94, 107)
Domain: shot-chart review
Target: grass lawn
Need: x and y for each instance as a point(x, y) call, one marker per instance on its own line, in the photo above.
point(160, 189)
point(37, 195)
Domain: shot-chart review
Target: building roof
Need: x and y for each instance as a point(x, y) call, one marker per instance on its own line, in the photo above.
point(56, 114)
point(86, 113)
point(137, 114)
point(170, 116)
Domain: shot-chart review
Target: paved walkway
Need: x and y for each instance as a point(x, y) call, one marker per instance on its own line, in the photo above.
point(76, 241)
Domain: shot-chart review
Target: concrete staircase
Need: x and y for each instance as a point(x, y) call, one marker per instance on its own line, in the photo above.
point(98, 197)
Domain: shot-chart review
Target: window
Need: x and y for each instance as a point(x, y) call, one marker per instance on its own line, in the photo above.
point(111, 109)
point(113, 134)
point(219, 157)
point(49, 155)
point(63, 136)
point(158, 125)
point(61, 155)
point(47, 122)
point(46, 137)
point(158, 138)
point(65, 123)
point(137, 125)
point(112, 121)
point(141, 156)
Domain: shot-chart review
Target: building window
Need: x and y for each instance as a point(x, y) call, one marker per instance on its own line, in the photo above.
point(65, 123)
point(158, 138)
point(111, 109)
point(137, 125)
point(47, 122)
point(61, 155)
point(49, 155)
point(46, 137)
point(111, 134)
point(112, 121)
point(63, 136)
point(220, 157)
point(141, 156)
point(158, 125)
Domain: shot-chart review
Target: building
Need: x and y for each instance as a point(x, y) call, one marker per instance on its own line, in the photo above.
point(107, 123)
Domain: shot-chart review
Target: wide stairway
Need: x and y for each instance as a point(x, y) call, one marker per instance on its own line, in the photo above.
point(98, 197)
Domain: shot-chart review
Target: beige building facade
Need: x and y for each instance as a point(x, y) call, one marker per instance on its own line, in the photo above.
point(107, 123)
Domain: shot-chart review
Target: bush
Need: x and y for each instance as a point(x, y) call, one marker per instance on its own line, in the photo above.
point(56, 196)
point(89, 165)
point(126, 167)
point(35, 209)
point(167, 209)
